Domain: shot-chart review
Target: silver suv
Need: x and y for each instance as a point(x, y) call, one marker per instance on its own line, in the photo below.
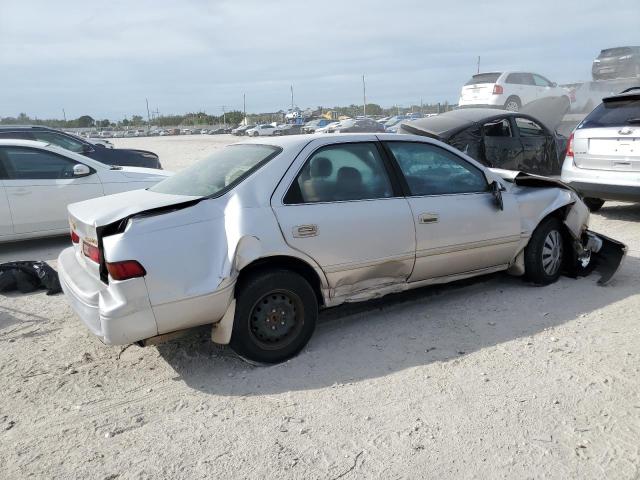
point(603, 152)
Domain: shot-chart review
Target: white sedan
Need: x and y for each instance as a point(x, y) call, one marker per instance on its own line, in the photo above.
point(261, 131)
point(38, 181)
point(255, 238)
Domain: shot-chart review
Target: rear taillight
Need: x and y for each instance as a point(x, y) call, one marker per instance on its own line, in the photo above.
point(570, 146)
point(74, 237)
point(91, 251)
point(125, 270)
point(498, 90)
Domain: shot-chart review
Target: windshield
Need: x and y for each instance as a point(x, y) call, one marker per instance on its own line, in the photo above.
point(483, 78)
point(614, 113)
point(219, 172)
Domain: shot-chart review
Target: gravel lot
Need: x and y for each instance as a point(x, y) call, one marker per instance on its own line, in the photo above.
point(491, 378)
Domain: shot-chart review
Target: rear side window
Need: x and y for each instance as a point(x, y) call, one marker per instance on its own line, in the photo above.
point(498, 128)
point(431, 170)
point(219, 172)
point(519, 78)
point(614, 113)
point(484, 78)
point(68, 143)
point(343, 172)
point(16, 135)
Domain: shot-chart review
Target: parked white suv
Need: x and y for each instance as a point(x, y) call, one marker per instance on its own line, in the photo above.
point(603, 152)
point(508, 90)
point(261, 130)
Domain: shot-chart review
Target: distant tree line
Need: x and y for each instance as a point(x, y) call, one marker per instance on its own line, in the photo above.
point(201, 118)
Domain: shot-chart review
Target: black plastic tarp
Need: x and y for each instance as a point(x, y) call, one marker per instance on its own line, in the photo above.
point(29, 276)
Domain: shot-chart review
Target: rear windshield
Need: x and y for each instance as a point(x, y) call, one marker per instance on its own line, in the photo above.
point(219, 172)
point(614, 52)
point(614, 113)
point(483, 78)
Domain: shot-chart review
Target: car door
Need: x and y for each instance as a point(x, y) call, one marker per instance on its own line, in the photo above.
point(502, 149)
point(39, 186)
point(6, 222)
point(342, 209)
point(459, 227)
point(539, 154)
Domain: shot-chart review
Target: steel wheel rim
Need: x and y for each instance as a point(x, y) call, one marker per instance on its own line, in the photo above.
point(276, 319)
point(552, 253)
point(512, 106)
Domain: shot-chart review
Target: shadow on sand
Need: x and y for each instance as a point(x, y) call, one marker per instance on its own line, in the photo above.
point(370, 340)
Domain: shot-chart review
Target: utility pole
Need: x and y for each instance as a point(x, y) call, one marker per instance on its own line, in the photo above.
point(421, 105)
point(478, 64)
point(224, 115)
point(148, 115)
point(244, 108)
point(64, 114)
point(364, 97)
point(292, 98)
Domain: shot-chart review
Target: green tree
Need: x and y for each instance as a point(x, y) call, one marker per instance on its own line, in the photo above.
point(85, 121)
point(136, 120)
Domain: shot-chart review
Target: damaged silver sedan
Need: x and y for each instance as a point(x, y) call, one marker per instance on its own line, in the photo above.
point(259, 236)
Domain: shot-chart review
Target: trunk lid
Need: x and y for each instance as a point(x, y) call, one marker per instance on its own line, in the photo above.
point(86, 219)
point(477, 93)
point(608, 148)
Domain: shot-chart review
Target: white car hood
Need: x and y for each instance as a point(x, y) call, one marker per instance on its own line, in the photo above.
point(108, 209)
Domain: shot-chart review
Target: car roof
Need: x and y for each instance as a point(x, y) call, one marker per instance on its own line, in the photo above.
point(16, 142)
point(27, 127)
point(632, 92)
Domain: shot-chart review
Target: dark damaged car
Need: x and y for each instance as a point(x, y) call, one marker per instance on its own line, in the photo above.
point(523, 141)
point(123, 157)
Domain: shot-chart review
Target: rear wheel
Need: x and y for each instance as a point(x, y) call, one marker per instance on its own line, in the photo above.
point(545, 253)
point(276, 314)
point(594, 204)
point(512, 104)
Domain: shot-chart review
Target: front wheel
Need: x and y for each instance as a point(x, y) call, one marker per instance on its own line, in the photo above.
point(594, 204)
point(276, 314)
point(544, 255)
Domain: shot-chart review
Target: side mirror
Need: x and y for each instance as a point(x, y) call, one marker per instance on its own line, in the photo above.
point(554, 84)
point(81, 170)
point(87, 148)
point(496, 191)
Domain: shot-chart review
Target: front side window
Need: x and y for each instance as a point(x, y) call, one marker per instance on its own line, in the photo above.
point(350, 171)
point(431, 170)
point(529, 128)
point(59, 140)
point(21, 163)
point(219, 172)
point(541, 81)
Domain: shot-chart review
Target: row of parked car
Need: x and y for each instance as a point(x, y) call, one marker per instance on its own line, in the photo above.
point(323, 125)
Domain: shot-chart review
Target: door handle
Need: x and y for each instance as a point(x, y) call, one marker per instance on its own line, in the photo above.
point(301, 231)
point(428, 218)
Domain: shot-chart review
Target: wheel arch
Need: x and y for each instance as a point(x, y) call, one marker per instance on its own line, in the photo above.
point(284, 262)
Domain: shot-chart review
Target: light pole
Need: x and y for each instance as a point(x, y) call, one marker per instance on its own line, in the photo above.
point(244, 108)
point(364, 97)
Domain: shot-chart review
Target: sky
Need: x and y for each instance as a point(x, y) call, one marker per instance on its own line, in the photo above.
point(105, 58)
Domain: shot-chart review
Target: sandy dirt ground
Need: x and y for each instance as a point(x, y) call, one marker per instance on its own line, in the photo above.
point(490, 378)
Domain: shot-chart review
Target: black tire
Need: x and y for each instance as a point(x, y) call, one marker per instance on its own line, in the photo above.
point(594, 204)
point(513, 104)
point(279, 331)
point(541, 263)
